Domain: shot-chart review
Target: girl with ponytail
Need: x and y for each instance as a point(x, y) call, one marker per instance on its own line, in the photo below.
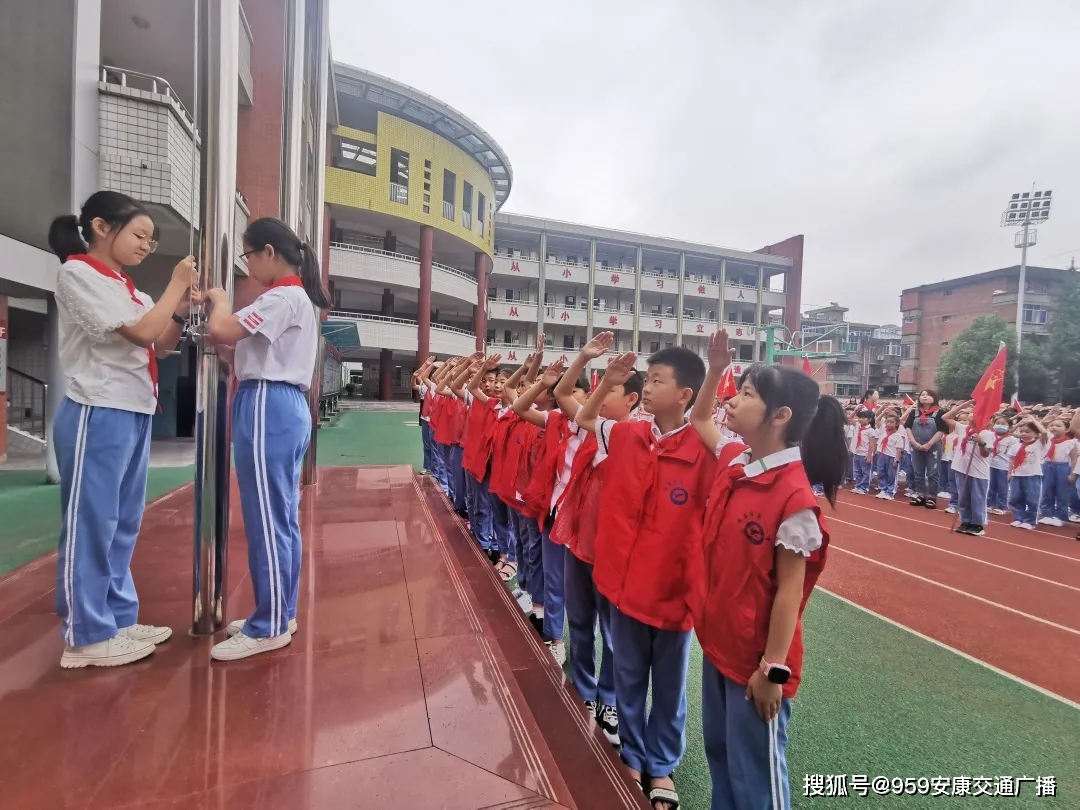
point(111, 336)
point(274, 343)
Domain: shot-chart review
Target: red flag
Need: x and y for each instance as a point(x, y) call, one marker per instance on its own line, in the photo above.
point(908, 401)
point(1014, 403)
point(988, 391)
point(806, 369)
point(726, 389)
point(594, 380)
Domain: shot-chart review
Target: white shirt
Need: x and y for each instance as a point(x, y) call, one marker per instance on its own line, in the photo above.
point(1006, 449)
point(890, 445)
point(603, 435)
point(951, 445)
point(1033, 459)
point(800, 531)
point(284, 340)
point(970, 461)
point(1060, 453)
point(562, 475)
point(859, 443)
point(102, 368)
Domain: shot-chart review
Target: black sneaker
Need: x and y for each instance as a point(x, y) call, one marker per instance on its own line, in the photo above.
point(918, 500)
point(538, 626)
point(608, 719)
point(976, 531)
point(591, 706)
point(965, 528)
point(930, 503)
point(493, 555)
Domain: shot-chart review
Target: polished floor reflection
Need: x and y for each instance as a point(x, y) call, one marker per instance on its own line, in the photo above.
point(413, 681)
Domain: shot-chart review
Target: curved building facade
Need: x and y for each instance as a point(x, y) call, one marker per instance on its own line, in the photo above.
point(412, 188)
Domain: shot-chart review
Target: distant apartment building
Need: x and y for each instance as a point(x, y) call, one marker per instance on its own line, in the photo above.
point(934, 314)
point(865, 356)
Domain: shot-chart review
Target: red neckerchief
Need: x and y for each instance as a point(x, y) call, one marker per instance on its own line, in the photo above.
point(885, 442)
point(125, 279)
point(1053, 445)
point(1021, 454)
point(997, 441)
point(858, 437)
point(924, 413)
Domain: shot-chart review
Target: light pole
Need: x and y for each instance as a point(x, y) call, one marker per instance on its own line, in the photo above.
point(1025, 209)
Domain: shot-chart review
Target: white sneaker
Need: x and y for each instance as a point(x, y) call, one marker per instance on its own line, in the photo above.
point(951, 510)
point(241, 646)
point(558, 652)
point(147, 632)
point(1057, 523)
point(943, 494)
point(1016, 524)
point(1027, 526)
point(238, 625)
point(1074, 518)
point(525, 602)
point(113, 652)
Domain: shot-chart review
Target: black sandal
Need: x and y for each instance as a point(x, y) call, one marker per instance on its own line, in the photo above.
point(667, 795)
point(930, 503)
point(918, 500)
point(507, 571)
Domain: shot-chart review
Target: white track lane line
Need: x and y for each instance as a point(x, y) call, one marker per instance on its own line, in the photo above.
point(984, 537)
point(985, 601)
point(1041, 690)
point(957, 554)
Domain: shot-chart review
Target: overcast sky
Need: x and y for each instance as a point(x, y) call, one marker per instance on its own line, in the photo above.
point(889, 133)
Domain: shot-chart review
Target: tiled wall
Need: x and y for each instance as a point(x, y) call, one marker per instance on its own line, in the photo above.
point(146, 149)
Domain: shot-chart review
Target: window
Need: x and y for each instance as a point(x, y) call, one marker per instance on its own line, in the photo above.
point(1034, 314)
point(356, 156)
point(892, 350)
point(948, 292)
point(905, 351)
point(568, 341)
point(466, 205)
point(493, 293)
point(481, 210)
point(946, 318)
point(449, 194)
point(399, 176)
point(654, 347)
point(847, 390)
point(571, 301)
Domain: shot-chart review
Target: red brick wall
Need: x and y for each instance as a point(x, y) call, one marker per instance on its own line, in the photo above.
point(946, 316)
point(258, 159)
point(792, 248)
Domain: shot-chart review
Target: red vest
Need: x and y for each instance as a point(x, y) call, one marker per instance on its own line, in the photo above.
point(438, 419)
point(548, 453)
point(652, 501)
point(733, 569)
point(576, 521)
point(479, 430)
point(459, 413)
point(505, 455)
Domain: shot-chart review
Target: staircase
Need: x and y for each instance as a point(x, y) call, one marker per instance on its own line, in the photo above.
point(26, 400)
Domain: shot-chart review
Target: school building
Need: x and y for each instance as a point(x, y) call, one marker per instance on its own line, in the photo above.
point(863, 356)
point(423, 260)
point(103, 95)
point(934, 314)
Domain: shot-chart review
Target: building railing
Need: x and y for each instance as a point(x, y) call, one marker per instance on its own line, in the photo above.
point(401, 256)
point(362, 316)
point(399, 194)
point(448, 210)
point(27, 398)
point(145, 81)
point(466, 219)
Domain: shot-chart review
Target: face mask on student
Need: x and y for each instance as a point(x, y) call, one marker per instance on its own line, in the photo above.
point(1001, 429)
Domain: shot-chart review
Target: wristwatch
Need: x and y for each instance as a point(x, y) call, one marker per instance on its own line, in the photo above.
point(775, 673)
point(178, 320)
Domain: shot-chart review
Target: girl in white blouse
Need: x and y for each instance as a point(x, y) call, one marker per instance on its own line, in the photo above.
point(111, 336)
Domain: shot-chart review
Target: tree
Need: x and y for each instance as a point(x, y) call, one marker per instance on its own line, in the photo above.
point(1034, 373)
point(971, 352)
point(1064, 349)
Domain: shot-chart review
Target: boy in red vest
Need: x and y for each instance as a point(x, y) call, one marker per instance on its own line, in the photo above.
point(574, 526)
point(456, 413)
point(487, 380)
point(763, 546)
point(655, 487)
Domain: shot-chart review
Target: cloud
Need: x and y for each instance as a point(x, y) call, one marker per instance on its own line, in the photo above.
point(890, 134)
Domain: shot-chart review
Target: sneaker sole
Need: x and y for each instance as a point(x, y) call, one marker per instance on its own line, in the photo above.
point(275, 643)
point(230, 631)
point(614, 739)
point(69, 661)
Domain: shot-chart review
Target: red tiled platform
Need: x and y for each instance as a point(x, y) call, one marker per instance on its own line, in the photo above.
point(413, 682)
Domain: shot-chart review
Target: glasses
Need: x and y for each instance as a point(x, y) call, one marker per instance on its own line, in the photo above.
point(151, 244)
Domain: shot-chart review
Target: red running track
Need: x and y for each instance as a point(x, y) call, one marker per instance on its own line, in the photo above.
point(1009, 599)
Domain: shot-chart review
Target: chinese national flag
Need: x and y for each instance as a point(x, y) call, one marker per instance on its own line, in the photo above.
point(908, 401)
point(1015, 404)
point(594, 380)
point(988, 391)
point(806, 369)
point(726, 389)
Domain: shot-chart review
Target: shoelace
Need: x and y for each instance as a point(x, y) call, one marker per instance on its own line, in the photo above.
point(610, 715)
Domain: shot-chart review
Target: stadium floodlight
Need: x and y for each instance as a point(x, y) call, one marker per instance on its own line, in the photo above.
point(1024, 209)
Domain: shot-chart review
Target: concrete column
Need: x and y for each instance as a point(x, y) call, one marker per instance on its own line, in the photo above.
point(723, 281)
point(386, 367)
point(757, 315)
point(541, 286)
point(388, 303)
point(480, 312)
point(57, 382)
point(218, 47)
point(423, 304)
point(637, 296)
point(592, 288)
point(679, 305)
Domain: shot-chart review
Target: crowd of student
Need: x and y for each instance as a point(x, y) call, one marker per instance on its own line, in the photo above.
point(640, 508)
point(1021, 462)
